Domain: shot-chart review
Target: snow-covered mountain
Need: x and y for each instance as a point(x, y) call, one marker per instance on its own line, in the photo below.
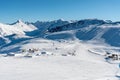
point(90, 29)
point(69, 50)
point(17, 30)
point(18, 27)
point(105, 32)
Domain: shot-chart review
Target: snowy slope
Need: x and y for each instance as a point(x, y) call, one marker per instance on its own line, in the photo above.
point(15, 31)
point(75, 50)
point(55, 68)
point(17, 28)
point(85, 30)
point(84, 66)
point(8, 30)
point(23, 27)
point(19, 31)
point(90, 29)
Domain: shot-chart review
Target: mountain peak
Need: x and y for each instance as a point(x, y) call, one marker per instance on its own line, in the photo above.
point(60, 19)
point(19, 21)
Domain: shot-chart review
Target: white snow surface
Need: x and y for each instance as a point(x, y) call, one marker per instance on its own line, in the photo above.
point(83, 66)
point(55, 68)
point(17, 28)
point(9, 30)
point(88, 63)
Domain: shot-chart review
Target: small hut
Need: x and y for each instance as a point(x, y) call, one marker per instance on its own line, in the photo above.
point(113, 56)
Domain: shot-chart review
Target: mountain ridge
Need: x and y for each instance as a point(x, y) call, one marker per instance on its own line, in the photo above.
point(107, 32)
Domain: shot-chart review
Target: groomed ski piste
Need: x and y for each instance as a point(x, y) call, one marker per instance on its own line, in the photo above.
point(87, 63)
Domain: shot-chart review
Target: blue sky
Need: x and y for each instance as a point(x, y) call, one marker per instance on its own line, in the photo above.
point(43, 10)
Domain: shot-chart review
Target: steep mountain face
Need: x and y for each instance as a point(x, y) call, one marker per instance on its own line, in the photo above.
point(43, 26)
point(78, 25)
point(85, 30)
point(8, 30)
point(99, 30)
point(9, 33)
point(110, 35)
point(18, 27)
point(19, 31)
point(23, 26)
point(51, 24)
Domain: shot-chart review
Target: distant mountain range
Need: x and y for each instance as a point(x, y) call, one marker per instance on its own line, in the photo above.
point(85, 30)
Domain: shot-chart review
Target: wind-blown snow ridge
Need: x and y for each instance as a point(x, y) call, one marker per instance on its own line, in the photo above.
point(8, 30)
